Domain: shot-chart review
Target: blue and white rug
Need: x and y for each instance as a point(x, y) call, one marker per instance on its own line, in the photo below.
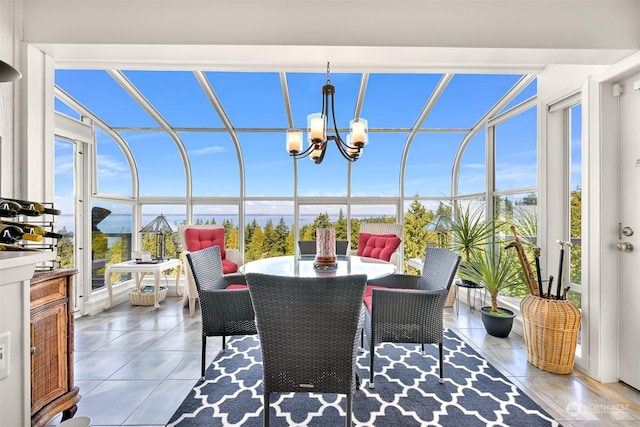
point(407, 392)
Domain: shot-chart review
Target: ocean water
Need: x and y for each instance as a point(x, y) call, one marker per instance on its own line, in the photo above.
point(119, 223)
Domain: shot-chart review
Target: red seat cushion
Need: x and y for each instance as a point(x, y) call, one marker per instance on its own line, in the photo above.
point(380, 246)
point(200, 238)
point(236, 286)
point(368, 291)
point(229, 267)
point(368, 294)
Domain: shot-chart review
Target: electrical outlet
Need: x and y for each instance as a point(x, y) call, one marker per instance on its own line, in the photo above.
point(5, 351)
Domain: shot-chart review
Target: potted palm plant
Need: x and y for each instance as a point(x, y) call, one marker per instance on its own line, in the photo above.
point(496, 269)
point(470, 231)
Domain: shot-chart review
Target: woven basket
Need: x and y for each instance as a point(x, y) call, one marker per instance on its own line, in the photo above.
point(146, 298)
point(550, 330)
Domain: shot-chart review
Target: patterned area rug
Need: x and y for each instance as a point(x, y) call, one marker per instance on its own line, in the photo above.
point(407, 392)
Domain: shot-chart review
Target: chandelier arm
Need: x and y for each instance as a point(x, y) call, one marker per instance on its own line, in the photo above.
point(303, 154)
point(322, 152)
point(343, 151)
point(318, 143)
point(335, 126)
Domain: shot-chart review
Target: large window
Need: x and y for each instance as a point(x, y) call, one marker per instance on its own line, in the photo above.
point(111, 239)
point(205, 147)
point(575, 202)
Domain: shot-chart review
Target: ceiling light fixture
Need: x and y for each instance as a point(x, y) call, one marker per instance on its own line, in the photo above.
point(317, 124)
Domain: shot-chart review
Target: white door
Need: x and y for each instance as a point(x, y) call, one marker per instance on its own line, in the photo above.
point(71, 188)
point(629, 232)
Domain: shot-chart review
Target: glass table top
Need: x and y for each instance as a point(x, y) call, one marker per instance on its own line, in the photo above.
point(303, 267)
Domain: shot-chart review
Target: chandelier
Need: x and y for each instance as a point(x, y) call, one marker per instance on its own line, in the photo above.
point(317, 125)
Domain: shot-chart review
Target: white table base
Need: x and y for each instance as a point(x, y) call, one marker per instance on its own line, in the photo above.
point(133, 267)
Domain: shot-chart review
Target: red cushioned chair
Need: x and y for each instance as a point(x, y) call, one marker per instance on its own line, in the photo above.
point(382, 241)
point(196, 237)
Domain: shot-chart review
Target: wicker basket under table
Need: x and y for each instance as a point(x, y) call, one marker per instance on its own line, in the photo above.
point(550, 330)
point(146, 298)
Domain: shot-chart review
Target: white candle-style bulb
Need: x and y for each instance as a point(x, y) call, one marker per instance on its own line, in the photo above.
point(315, 154)
point(294, 141)
point(316, 127)
point(359, 132)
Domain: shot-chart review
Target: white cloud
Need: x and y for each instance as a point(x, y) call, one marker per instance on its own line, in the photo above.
point(207, 150)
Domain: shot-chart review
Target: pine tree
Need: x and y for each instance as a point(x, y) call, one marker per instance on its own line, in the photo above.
point(415, 236)
point(282, 232)
point(253, 248)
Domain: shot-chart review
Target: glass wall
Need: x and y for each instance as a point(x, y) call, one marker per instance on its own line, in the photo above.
point(221, 158)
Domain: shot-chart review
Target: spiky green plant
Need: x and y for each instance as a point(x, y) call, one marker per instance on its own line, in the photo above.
point(495, 268)
point(471, 231)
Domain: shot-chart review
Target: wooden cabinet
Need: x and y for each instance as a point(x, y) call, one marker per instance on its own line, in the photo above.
point(51, 309)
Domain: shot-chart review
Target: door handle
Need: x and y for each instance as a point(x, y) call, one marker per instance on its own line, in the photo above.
point(624, 231)
point(624, 247)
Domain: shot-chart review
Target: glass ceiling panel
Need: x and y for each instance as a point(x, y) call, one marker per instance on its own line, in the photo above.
point(160, 168)
point(113, 171)
point(214, 163)
point(472, 178)
point(305, 92)
point(102, 95)
point(530, 91)
point(428, 171)
point(377, 171)
point(467, 98)
point(268, 167)
point(251, 100)
point(178, 97)
point(395, 100)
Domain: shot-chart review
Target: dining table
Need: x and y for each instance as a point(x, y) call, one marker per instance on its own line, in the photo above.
point(305, 266)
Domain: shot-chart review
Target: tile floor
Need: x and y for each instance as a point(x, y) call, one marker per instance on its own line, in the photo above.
point(135, 365)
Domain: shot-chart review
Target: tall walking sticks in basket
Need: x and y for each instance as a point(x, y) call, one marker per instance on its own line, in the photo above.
point(534, 287)
point(563, 295)
point(550, 323)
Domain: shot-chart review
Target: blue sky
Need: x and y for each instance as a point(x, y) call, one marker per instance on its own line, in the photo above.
point(255, 100)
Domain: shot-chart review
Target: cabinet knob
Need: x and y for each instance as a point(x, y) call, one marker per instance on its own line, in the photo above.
point(33, 350)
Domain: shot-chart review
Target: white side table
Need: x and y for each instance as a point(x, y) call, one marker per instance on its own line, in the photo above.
point(156, 268)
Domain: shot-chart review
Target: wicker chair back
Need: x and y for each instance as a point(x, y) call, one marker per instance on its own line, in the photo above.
point(225, 312)
point(308, 331)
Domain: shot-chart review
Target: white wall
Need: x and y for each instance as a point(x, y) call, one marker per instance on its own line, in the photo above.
point(7, 91)
point(458, 23)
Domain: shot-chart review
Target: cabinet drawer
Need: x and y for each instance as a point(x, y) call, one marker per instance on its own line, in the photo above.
point(48, 291)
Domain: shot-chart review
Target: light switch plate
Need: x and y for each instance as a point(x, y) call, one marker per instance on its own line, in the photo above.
point(5, 351)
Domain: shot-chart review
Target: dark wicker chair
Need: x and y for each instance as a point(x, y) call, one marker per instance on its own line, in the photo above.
point(308, 247)
point(308, 331)
point(225, 312)
point(409, 308)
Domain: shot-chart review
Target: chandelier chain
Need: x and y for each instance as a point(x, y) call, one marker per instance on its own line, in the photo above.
point(328, 74)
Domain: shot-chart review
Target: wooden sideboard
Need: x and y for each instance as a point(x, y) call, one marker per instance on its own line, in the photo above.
point(51, 313)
